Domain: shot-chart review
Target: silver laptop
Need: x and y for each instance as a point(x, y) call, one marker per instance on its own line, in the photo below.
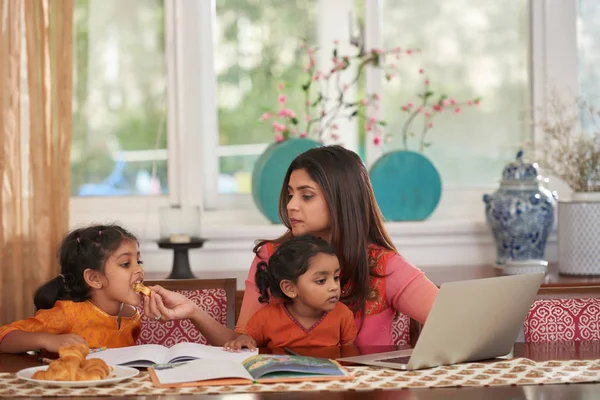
point(470, 320)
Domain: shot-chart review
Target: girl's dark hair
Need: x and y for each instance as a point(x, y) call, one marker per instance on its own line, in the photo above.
point(81, 249)
point(288, 262)
point(356, 220)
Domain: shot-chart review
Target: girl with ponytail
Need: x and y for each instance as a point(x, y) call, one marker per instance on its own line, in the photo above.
point(303, 275)
point(91, 301)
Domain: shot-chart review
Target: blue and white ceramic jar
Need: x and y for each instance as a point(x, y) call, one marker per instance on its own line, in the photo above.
point(521, 215)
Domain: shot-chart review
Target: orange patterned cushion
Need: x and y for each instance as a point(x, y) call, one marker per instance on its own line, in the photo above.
point(213, 301)
point(557, 320)
point(401, 330)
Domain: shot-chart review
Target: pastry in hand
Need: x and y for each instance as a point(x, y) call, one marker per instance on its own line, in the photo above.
point(140, 288)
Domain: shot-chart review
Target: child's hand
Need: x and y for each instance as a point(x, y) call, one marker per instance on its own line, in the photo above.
point(167, 305)
point(239, 342)
point(53, 342)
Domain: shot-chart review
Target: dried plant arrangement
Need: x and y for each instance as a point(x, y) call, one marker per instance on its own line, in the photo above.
point(570, 149)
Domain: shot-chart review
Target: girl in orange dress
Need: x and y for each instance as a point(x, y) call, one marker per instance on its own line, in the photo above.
point(91, 301)
point(304, 272)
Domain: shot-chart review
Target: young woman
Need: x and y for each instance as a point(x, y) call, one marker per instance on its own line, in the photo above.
point(327, 193)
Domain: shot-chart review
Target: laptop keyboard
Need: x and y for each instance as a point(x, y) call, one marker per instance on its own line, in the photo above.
point(395, 360)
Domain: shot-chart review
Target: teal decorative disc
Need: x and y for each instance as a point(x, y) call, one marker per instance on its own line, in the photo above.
point(269, 171)
point(407, 186)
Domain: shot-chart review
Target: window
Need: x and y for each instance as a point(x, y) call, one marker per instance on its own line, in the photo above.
point(469, 49)
point(226, 57)
point(588, 42)
point(254, 50)
point(119, 99)
point(256, 47)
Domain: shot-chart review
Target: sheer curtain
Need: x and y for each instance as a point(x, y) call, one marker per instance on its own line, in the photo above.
point(36, 63)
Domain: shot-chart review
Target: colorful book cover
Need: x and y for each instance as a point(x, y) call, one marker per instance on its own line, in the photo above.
point(262, 368)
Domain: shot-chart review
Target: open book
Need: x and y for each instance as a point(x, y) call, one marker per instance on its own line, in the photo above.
point(262, 368)
point(147, 355)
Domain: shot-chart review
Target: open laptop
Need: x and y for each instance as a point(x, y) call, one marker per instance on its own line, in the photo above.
point(470, 320)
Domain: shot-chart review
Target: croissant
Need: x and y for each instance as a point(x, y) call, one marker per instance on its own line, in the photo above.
point(74, 354)
point(88, 376)
point(96, 365)
point(58, 370)
point(41, 375)
point(72, 366)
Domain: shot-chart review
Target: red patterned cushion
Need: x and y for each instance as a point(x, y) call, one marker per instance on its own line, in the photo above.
point(401, 330)
point(557, 320)
point(213, 301)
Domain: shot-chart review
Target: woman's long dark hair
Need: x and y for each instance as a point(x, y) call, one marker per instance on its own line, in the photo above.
point(356, 220)
point(81, 249)
point(290, 261)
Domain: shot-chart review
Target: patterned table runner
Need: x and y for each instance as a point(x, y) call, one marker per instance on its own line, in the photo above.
point(519, 371)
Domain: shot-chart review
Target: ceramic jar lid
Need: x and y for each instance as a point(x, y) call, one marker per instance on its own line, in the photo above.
point(521, 172)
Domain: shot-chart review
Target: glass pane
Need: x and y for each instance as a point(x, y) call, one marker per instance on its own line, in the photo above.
point(469, 49)
point(588, 41)
point(256, 48)
point(119, 99)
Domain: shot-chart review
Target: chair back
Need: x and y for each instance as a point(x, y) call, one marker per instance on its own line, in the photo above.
point(560, 320)
point(215, 296)
point(401, 330)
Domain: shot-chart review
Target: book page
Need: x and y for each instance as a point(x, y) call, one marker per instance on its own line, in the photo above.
point(201, 370)
point(143, 355)
point(190, 351)
point(277, 366)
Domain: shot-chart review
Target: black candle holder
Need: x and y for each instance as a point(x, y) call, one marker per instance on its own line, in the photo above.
point(181, 260)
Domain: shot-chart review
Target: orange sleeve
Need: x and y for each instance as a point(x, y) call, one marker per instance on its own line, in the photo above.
point(348, 329)
point(250, 303)
point(255, 328)
point(54, 320)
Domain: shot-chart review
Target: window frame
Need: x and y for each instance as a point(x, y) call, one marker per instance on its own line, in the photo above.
point(193, 127)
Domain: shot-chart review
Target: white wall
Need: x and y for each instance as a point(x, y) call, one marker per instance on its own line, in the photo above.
point(446, 239)
point(228, 252)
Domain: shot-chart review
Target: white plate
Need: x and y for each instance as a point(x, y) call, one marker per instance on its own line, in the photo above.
point(118, 374)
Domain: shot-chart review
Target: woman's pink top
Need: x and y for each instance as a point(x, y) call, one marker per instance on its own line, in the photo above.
point(404, 289)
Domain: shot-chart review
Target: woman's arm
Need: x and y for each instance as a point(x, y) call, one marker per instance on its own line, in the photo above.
point(174, 306)
point(171, 305)
point(250, 303)
point(215, 333)
point(408, 289)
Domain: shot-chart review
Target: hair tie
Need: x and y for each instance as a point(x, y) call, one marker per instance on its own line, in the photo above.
point(100, 233)
point(78, 240)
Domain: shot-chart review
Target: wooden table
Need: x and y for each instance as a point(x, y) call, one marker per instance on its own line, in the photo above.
point(537, 352)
